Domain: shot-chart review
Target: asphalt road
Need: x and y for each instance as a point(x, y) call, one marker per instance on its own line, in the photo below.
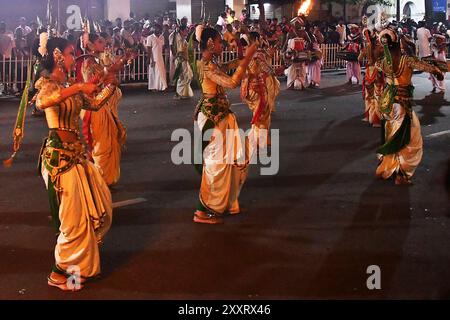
point(311, 231)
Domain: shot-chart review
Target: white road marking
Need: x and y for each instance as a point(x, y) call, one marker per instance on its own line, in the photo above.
point(438, 134)
point(128, 202)
point(238, 104)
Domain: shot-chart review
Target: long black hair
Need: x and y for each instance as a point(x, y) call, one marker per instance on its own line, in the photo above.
point(93, 37)
point(253, 36)
point(48, 62)
point(208, 33)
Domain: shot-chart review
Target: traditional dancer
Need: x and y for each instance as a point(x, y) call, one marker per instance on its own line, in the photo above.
point(439, 48)
point(157, 78)
point(183, 73)
point(222, 173)
point(402, 147)
point(80, 200)
point(297, 51)
point(103, 131)
point(259, 90)
point(373, 82)
point(354, 45)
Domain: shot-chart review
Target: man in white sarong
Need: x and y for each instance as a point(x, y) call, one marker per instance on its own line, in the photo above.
point(157, 78)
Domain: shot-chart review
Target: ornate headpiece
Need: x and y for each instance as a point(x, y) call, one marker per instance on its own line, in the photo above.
point(198, 32)
point(388, 32)
point(43, 40)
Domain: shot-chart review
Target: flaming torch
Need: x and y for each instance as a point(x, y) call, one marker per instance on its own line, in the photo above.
point(305, 8)
point(303, 11)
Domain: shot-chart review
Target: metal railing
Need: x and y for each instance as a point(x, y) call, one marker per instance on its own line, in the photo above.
point(138, 71)
point(13, 71)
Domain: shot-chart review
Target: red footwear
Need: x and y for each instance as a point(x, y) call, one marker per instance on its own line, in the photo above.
point(207, 218)
point(62, 283)
point(400, 180)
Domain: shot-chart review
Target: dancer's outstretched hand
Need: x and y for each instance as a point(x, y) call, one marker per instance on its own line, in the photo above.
point(439, 75)
point(251, 50)
point(88, 88)
point(111, 78)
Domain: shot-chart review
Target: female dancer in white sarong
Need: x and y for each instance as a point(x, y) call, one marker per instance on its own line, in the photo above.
point(222, 174)
point(103, 130)
point(402, 148)
point(80, 200)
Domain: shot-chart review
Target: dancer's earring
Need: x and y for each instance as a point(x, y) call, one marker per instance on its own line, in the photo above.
point(210, 45)
point(59, 59)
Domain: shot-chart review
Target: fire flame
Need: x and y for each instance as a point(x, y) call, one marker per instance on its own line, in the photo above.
point(305, 8)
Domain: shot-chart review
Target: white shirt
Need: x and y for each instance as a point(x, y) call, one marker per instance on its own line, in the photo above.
point(127, 36)
point(423, 36)
point(6, 45)
point(342, 32)
point(25, 31)
point(157, 45)
point(221, 22)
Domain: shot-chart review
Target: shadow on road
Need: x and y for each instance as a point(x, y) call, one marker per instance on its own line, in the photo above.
point(375, 236)
point(314, 95)
point(431, 108)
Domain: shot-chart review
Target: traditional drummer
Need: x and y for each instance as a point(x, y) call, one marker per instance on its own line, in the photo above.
point(298, 53)
point(353, 46)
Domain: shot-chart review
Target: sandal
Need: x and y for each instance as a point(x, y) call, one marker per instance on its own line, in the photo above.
point(63, 285)
point(207, 218)
point(401, 180)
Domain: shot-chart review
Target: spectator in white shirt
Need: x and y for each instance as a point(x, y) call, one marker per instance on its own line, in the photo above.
point(424, 37)
point(342, 29)
point(6, 42)
point(23, 25)
point(6, 50)
point(222, 21)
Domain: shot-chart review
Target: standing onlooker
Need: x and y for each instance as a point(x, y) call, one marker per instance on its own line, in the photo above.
point(125, 33)
point(21, 44)
point(424, 37)
point(285, 25)
point(132, 18)
point(23, 25)
point(243, 16)
point(222, 21)
point(315, 66)
point(117, 40)
point(6, 51)
point(32, 36)
point(342, 29)
point(184, 22)
point(157, 78)
point(440, 54)
point(119, 23)
point(166, 50)
point(232, 17)
point(229, 38)
point(333, 37)
point(137, 33)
